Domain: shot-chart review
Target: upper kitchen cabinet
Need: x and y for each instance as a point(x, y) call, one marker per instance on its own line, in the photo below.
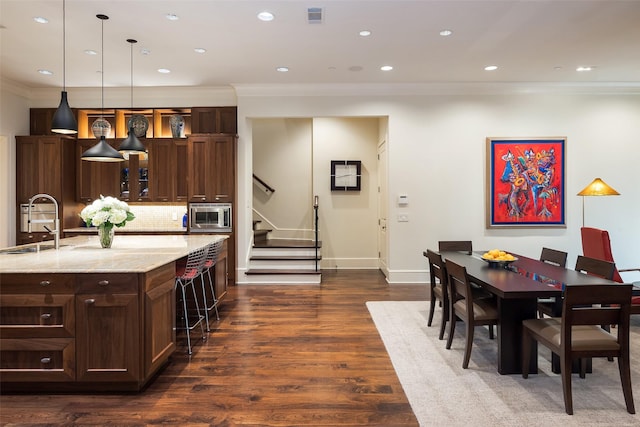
point(212, 167)
point(167, 170)
point(45, 164)
point(95, 178)
point(214, 120)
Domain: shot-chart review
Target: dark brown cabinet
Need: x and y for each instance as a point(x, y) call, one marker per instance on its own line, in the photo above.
point(212, 168)
point(95, 178)
point(93, 331)
point(168, 170)
point(214, 120)
point(46, 164)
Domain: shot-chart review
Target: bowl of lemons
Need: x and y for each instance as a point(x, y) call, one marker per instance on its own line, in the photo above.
point(497, 258)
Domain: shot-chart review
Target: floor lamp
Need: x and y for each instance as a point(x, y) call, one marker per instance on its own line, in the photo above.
point(597, 188)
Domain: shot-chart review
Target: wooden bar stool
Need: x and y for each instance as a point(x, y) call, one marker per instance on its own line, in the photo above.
point(186, 273)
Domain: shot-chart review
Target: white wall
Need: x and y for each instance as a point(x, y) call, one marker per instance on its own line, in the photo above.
point(282, 158)
point(348, 219)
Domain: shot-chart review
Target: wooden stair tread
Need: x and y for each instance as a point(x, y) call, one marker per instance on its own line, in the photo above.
point(280, 271)
point(284, 258)
point(286, 243)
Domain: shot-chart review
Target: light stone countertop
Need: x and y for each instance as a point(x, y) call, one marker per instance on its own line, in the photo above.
point(83, 254)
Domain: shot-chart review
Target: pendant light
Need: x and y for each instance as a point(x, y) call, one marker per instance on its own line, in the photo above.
point(64, 121)
point(102, 151)
point(132, 145)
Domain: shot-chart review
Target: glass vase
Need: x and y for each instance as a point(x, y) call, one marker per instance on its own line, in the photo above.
point(105, 235)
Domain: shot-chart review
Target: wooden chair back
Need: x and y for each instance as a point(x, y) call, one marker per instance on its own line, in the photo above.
point(595, 267)
point(455, 245)
point(437, 269)
point(459, 285)
point(553, 256)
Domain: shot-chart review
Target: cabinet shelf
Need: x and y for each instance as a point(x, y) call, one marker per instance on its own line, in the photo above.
point(158, 118)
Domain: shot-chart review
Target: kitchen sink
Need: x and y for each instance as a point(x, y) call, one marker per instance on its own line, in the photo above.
point(26, 249)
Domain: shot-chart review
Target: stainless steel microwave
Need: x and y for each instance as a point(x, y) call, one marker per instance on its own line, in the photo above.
point(210, 218)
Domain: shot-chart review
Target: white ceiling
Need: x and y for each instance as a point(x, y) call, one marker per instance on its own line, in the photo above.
point(530, 41)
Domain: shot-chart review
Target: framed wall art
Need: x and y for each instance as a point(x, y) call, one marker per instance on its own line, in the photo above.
point(526, 182)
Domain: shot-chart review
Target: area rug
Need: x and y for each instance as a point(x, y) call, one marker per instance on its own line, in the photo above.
point(442, 393)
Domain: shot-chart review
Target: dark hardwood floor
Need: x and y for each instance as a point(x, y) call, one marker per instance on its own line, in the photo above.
point(285, 355)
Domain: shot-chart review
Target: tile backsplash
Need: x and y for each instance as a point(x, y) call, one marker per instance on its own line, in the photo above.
point(156, 217)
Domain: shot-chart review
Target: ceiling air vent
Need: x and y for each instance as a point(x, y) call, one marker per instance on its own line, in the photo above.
point(314, 15)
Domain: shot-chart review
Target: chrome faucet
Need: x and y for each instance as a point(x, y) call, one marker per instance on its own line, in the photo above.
point(56, 222)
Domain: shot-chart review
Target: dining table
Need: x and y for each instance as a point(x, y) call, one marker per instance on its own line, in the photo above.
point(517, 287)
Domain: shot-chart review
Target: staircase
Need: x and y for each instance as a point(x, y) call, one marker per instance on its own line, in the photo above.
point(281, 261)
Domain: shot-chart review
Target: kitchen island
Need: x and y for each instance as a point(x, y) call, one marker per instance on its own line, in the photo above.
point(91, 319)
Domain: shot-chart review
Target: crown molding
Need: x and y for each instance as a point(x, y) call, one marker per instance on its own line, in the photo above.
point(421, 89)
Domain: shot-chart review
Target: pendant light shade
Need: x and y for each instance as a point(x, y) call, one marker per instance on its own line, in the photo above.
point(102, 151)
point(64, 121)
point(132, 145)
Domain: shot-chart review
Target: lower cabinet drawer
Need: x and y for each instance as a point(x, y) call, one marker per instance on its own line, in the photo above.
point(37, 316)
point(37, 359)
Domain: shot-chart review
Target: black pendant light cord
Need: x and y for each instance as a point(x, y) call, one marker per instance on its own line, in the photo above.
point(131, 43)
point(64, 48)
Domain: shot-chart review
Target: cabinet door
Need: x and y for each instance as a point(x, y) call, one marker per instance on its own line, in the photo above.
point(223, 168)
point(221, 273)
point(27, 167)
point(95, 178)
point(50, 166)
point(181, 167)
point(203, 120)
point(40, 121)
point(107, 337)
point(160, 319)
point(227, 120)
point(200, 156)
point(161, 170)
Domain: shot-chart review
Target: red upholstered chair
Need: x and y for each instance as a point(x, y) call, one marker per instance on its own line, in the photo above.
point(596, 244)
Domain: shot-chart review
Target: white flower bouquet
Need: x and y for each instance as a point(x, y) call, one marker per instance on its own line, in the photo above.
point(106, 212)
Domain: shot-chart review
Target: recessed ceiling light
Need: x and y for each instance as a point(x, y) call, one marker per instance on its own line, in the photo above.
point(266, 16)
point(164, 70)
point(584, 68)
point(491, 68)
point(282, 69)
point(45, 72)
point(90, 52)
point(145, 51)
point(41, 20)
point(200, 50)
point(172, 17)
point(445, 33)
point(365, 33)
point(386, 68)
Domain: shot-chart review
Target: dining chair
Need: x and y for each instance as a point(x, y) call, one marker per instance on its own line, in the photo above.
point(473, 311)
point(546, 306)
point(437, 288)
point(186, 273)
point(596, 244)
point(577, 334)
point(455, 245)
point(595, 267)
